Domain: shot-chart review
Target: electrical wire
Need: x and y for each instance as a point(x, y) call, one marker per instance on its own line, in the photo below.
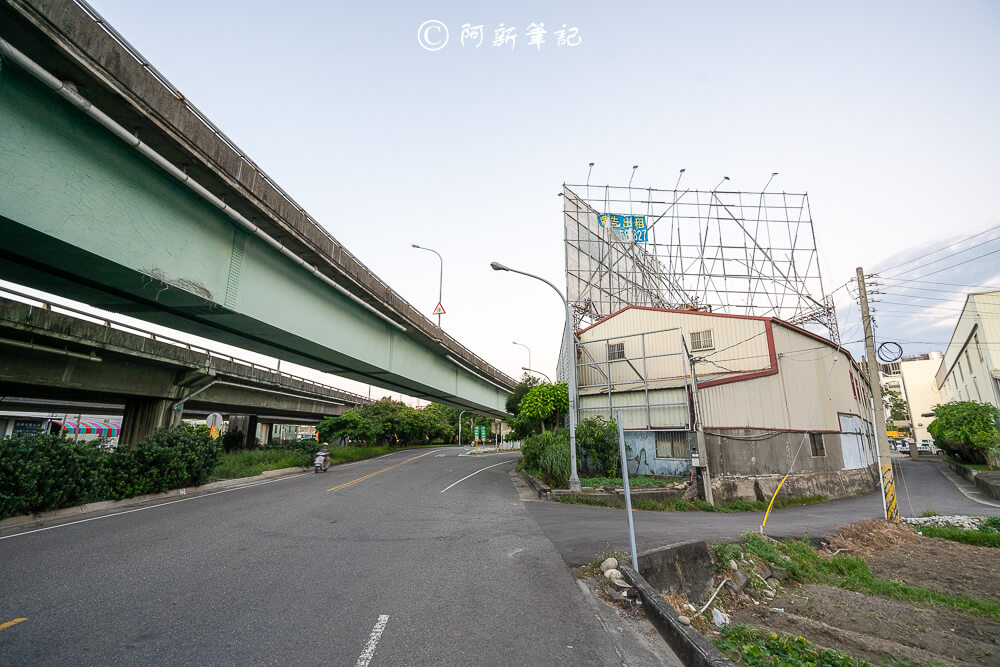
point(951, 266)
point(952, 245)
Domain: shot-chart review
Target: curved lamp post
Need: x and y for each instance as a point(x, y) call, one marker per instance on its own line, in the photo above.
point(532, 370)
point(570, 349)
point(525, 347)
point(440, 277)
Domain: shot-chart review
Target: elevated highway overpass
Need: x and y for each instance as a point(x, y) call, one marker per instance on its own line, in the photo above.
point(56, 360)
point(117, 192)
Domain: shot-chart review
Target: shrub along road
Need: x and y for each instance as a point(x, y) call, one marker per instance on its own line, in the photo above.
point(370, 560)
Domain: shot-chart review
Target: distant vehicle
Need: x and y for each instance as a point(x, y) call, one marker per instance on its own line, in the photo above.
point(904, 448)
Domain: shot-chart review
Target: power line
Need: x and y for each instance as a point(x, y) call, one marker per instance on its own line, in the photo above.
point(951, 266)
point(933, 282)
point(923, 257)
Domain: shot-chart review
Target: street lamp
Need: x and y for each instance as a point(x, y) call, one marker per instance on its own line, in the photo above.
point(440, 279)
point(570, 348)
point(525, 347)
point(532, 370)
point(460, 426)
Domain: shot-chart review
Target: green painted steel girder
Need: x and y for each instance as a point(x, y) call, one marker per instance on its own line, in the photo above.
point(85, 216)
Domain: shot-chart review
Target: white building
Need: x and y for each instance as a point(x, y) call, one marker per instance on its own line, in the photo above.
point(919, 375)
point(970, 369)
point(772, 398)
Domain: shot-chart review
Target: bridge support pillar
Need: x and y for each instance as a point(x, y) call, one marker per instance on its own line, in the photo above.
point(142, 417)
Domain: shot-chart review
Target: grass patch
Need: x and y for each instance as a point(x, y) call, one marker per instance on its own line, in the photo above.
point(587, 500)
point(852, 573)
point(234, 465)
point(696, 505)
point(633, 480)
point(978, 538)
point(974, 466)
point(753, 647)
point(929, 512)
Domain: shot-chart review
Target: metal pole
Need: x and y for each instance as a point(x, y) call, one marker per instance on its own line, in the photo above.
point(460, 426)
point(628, 494)
point(528, 349)
point(881, 437)
point(440, 276)
point(570, 347)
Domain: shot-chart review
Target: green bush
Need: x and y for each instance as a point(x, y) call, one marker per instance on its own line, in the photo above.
point(597, 443)
point(555, 462)
point(44, 472)
point(990, 525)
point(40, 472)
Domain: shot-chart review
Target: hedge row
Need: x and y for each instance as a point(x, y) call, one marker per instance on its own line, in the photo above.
point(45, 472)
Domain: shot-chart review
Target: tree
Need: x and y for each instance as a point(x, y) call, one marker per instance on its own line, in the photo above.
point(545, 401)
point(352, 426)
point(968, 430)
point(513, 404)
point(895, 407)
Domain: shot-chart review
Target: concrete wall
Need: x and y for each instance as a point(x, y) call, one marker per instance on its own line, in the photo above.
point(643, 459)
point(833, 484)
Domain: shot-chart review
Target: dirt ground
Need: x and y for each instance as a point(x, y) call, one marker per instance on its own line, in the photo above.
point(875, 628)
point(872, 628)
point(940, 565)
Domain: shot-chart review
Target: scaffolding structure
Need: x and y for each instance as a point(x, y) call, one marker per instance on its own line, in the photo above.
point(742, 253)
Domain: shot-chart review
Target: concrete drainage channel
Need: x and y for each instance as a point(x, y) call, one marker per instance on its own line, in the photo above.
point(684, 567)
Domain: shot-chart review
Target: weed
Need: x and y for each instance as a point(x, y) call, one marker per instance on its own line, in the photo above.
point(990, 525)
point(752, 647)
point(725, 552)
point(929, 512)
point(979, 538)
point(594, 566)
point(633, 480)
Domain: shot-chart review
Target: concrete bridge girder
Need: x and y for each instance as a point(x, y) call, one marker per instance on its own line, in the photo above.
point(86, 217)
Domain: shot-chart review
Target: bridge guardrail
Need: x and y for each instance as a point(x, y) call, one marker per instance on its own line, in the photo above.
point(209, 352)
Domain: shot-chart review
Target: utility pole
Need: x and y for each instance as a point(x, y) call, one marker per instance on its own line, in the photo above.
point(699, 434)
point(881, 437)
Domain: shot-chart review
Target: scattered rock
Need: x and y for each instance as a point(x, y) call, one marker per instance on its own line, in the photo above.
point(733, 565)
point(780, 610)
point(737, 582)
point(779, 573)
point(609, 564)
point(684, 620)
point(772, 582)
point(612, 574)
point(621, 583)
point(720, 618)
point(616, 596)
point(786, 558)
point(690, 607)
point(746, 599)
point(768, 594)
point(957, 521)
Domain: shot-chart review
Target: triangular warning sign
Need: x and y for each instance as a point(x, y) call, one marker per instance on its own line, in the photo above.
point(438, 309)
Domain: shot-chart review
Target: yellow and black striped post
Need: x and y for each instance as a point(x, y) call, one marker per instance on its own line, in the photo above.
point(889, 488)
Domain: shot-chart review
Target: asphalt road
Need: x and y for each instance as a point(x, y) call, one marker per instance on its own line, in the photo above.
point(581, 531)
point(396, 559)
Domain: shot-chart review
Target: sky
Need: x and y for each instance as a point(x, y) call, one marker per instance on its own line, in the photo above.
point(884, 112)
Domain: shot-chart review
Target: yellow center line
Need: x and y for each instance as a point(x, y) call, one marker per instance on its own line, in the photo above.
point(379, 472)
point(10, 623)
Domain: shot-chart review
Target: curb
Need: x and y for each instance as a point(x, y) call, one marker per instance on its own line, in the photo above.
point(541, 490)
point(693, 649)
point(25, 519)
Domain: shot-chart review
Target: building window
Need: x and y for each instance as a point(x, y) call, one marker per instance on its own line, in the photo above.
point(702, 340)
point(672, 445)
point(816, 441)
point(616, 351)
point(979, 348)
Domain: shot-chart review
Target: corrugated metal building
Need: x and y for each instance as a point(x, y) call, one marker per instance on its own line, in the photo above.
point(769, 393)
point(970, 369)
